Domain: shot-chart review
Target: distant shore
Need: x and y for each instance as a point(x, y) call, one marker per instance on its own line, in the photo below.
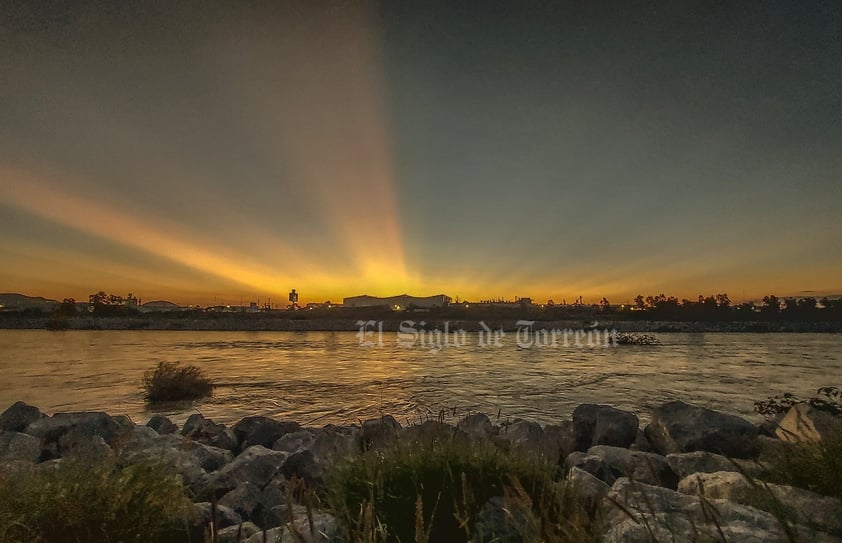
point(392, 323)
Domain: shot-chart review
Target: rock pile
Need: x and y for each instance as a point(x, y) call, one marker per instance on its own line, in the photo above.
point(691, 471)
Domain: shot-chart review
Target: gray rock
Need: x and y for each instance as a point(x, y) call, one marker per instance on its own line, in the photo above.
point(502, 522)
point(324, 525)
point(679, 427)
point(225, 516)
point(641, 443)
point(83, 424)
point(256, 465)
point(559, 441)
point(802, 506)
point(587, 486)
point(294, 442)
point(262, 431)
point(640, 513)
point(684, 464)
point(235, 534)
point(162, 425)
point(79, 445)
point(335, 442)
point(524, 437)
point(477, 425)
point(610, 463)
point(145, 445)
point(206, 431)
point(432, 432)
point(210, 458)
point(19, 446)
point(244, 499)
point(18, 416)
point(382, 432)
point(603, 425)
point(803, 423)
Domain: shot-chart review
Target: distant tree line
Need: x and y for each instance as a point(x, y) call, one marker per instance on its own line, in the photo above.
point(719, 307)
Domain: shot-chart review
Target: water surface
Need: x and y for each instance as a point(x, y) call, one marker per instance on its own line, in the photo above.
point(327, 377)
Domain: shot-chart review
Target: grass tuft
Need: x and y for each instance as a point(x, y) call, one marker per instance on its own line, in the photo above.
point(440, 491)
point(172, 382)
point(90, 501)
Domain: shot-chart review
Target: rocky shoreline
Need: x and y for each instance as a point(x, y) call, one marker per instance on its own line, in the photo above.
point(662, 480)
point(232, 323)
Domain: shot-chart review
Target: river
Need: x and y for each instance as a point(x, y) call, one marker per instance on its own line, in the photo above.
point(317, 378)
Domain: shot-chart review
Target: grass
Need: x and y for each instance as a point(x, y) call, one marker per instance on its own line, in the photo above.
point(171, 382)
point(92, 502)
point(436, 491)
point(815, 466)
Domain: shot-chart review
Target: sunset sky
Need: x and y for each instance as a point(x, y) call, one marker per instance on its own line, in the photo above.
point(200, 152)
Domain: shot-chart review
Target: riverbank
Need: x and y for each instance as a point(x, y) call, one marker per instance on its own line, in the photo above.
point(391, 323)
point(598, 476)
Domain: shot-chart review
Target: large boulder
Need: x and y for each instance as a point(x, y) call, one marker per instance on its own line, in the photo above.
point(640, 513)
point(431, 432)
point(203, 430)
point(588, 486)
point(162, 425)
point(524, 436)
point(236, 534)
point(559, 441)
point(382, 432)
point(679, 427)
point(684, 464)
point(145, 445)
point(18, 446)
point(18, 416)
point(257, 430)
point(603, 425)
point(325, 528)
point(610, 463)
point(66, 432)
point(256, 465)
point(802, 506)
point(804, 423)
point(477, 426)
point(244, 499)
point(225, 516)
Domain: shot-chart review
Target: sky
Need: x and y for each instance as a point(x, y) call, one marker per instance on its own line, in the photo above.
point(219, 152)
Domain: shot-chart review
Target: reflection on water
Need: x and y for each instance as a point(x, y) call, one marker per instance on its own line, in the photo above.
point(326, 377)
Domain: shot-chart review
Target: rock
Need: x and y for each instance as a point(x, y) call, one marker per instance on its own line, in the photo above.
point(272, 507)
point(336, 442)
point(162, 425)
point(641, 443)
point(294, 442)
point(235, 534)
point(377, 433)
point(804, 423)
point(525, 437)
point(771, 450)
point(477, 426)
point(84, 424)
point(610, 463)
point(802, 506)
point(243, 499)
point(225, 516)
point(18, 416)
point(678, 427)
point(210, 458)
point(587, 486)
point(559, 441)
point(430, 432)
point(206, 431)
point(19, 446)
point(263, 431)
point(145, 445)
point(640, 513)
point(324, 525)
point(603, 425)
point(684, 464)
point(256, 465)
point(300, 465)
point(78, 445)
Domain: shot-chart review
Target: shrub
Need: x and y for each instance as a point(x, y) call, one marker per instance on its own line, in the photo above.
point(92, 502)
point(828, 399)
point(630, 338)
point(171, 382)
point(436, 492)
